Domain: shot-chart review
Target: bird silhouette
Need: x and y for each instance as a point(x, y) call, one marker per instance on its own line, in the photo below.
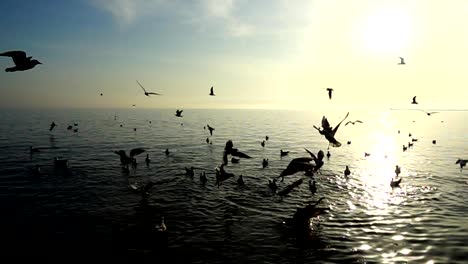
point(330, 132)
point(414, 100)
point(144, 90)
point(210, 129)
point(296, 165)
point(428, 113)
point(312, 187)
point(52, 125)
point(347, 172)
point(402, 61)
point(179, 113)
point(396, 183)
point(330, 90)
point(124, 159)
point(353, 122)
point(283, 153)
point(22, 63)
point(211, 91)
point(462, 163)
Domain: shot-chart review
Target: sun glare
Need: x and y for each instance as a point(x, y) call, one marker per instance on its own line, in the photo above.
point(386, 31)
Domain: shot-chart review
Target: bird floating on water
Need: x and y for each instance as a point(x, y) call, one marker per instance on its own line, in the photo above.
point(312, 187)
point(330, 90)
point(396, 183)
point(240, 181)
point(144, 90)
point(462, 163)
point(330, 132)
point(161, 227)
point(397, 170)
point(52, 125)
point(402, 61)
point(262, 143)
point(212, 92)
point(265, 163)
point(347, 172)
point(22, 63)
point(283, 153)
point(328, 154)
point(147, 159)
point(222, 175)
point(272, 185)
point(414, 100)
point(203, 178)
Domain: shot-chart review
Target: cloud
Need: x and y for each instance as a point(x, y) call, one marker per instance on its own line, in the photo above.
point(200, 13)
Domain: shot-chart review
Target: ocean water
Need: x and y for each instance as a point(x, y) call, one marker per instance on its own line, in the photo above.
point(89, 209)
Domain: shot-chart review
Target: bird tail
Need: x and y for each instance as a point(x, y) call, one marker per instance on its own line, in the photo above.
point(13, 69)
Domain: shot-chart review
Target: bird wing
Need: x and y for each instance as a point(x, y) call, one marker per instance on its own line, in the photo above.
point(414, 99)
point(358, 121)
point(348, 123)
point(325, 125)
point(141, 86)
point(136, 151)
point(311, 154)
point(121, 153)
point(337, 126)
point(153, 93)
point(18, 56)
point(211, 90)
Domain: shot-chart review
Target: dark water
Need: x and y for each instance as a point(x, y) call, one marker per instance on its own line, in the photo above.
point(89, 210)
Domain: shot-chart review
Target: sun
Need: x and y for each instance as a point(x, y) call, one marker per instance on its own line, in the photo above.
point(386, 31)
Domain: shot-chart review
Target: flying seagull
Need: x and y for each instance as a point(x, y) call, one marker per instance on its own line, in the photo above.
point(22, 63)
point(330, 132)
point(402, 61)
point(330, 90)
point(179, 113)
point(211, 91)
point(428, 113)
point(353, 122)
point(414, 100)
point(144, 90)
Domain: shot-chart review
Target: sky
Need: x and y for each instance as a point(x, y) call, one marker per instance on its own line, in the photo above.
point(274, 54)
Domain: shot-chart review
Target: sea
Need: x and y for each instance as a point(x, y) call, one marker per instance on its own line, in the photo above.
point(89, 209)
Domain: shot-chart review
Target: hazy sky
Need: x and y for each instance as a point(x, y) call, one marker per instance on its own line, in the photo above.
point(257, 54)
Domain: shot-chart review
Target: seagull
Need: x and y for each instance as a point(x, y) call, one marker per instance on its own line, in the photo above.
point(101, 94)
point(402, 61)
point(272, 185)
point(262, 143)
point(265, 163)
point(414, 100)
point(353, 122)
point(283, 153)
point(147, 159)
point(328, 154)
point(296, 165)
point(330, 90)
point(190, 171)
point(266, 138)
point(211, 91)
point(347, 172)
point(161, 227)
point(124, 159)
point(317, 159)
point(179, 113)
point(203, 178)
point(22, 63)
point(210, 129)
point(70, 127)
point(144, 90)
point(395, 184)
point(462, 163)
point(240, 181)
point(167, 152)
point(302, 216)
point(330, 132)
point(52, 125)
point(397, 170)
point(312, 187)
point(222, 175)
point(428, 113)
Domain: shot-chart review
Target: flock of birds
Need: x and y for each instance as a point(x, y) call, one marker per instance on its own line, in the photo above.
point(309, 165)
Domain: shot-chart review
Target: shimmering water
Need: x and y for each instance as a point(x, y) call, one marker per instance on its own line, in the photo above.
point(89, 210)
